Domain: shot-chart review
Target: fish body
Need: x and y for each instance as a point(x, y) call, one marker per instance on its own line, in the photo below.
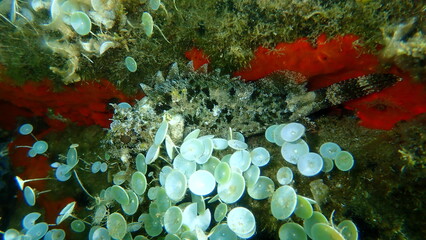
point(213, 103)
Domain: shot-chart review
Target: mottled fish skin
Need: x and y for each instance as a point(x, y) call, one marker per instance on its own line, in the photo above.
point(338, 93)
point(277, 96)
point(213, 103)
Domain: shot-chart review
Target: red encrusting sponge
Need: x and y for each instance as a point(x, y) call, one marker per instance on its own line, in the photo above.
point(328, 62)
point(85, 103)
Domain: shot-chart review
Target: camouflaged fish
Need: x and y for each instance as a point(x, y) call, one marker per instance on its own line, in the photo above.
point(213, 103)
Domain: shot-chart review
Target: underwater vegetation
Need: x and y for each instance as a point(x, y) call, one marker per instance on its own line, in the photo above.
point(180, 197)
point(292, 119)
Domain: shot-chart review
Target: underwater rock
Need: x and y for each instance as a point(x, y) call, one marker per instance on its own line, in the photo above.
point(405, 46)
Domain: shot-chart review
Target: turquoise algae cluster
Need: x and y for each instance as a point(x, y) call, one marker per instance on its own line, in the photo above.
point(197, 193)
point(39, 147)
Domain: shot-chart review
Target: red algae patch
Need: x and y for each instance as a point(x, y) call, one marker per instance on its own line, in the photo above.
point(84, 103)
point(328, 62)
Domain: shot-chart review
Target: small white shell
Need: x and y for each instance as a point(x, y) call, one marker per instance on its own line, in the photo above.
point(105, 46)
point(91, 46)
